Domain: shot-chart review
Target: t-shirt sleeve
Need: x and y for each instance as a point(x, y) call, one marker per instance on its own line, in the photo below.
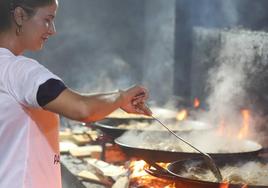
point(49, 91)
point(24, 78)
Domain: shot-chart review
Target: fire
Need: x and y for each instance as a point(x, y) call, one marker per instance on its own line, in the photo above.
point(140, 178)
point(138, 168)
point(243, 132)
point(223, 130)
point(196, 102)
point(225, 184)
point(182, 115)
point(164, 165)
point(245, 127)
point(170, 186)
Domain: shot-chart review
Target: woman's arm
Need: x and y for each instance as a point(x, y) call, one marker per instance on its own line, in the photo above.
point(93, 107)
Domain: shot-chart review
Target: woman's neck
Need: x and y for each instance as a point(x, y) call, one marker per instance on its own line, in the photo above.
point(9, 41)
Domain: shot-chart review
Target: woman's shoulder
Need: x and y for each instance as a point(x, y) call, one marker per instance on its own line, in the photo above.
point(8, 57)
point(26, 62)
point(18, 63)
point(24, 59)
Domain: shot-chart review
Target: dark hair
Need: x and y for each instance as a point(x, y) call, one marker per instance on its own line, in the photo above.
point(7, 7)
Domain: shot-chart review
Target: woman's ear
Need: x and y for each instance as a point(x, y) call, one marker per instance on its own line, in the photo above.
point(19, 16)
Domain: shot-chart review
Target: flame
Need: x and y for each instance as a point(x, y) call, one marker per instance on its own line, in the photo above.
point(164, 165)
point(171, 186)
point(138, 168)
point(224, 184)
point(140, 177)
point(221, 128)
point(182, 115)
point(228, 131)
point(245, 127)
point(196, 102)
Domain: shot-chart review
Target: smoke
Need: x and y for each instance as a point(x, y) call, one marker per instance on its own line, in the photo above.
point(98, 45)
point(227, 79)
point(158, 59)
point(239, 57)
point(105, 45)
point(234, 76)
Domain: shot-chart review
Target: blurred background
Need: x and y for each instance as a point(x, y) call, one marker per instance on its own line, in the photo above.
point(215, 51)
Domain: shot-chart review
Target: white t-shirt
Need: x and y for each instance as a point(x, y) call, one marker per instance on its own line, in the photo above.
point(29, 147)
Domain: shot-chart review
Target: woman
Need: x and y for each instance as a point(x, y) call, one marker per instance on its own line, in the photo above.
point(31, 96)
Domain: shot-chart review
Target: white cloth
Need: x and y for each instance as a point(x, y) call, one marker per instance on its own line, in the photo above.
point(29, 147)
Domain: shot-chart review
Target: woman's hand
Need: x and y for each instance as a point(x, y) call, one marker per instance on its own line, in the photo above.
point(134, 100)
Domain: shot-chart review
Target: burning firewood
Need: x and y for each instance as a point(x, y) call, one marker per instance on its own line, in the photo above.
point(104, 173)
point(107, 169)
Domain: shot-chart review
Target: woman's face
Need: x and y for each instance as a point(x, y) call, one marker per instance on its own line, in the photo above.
point(38, 28)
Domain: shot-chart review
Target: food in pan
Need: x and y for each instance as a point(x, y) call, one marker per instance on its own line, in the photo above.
point(250, 173)
point(173, 125)
point(206, 141)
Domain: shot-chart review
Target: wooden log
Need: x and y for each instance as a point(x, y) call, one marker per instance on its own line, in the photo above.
point(81, 139)
point(85, 151)
point(94, 177)
point(66, 146)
